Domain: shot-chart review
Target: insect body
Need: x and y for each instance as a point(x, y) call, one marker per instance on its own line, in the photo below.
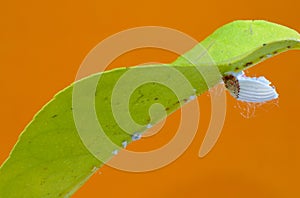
point(249, 89)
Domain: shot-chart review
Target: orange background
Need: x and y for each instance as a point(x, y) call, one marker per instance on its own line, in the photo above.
point(43, 43)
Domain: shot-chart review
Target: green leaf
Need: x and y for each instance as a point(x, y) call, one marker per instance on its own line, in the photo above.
point(61, 147)
point(242, 44)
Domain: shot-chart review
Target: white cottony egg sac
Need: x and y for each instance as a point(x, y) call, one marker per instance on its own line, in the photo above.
point(249, 89)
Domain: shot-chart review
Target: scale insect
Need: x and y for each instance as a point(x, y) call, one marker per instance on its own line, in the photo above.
point(249, 89)
point(136, 136)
